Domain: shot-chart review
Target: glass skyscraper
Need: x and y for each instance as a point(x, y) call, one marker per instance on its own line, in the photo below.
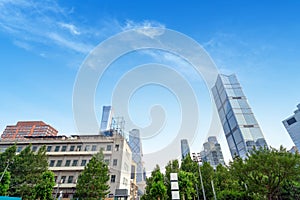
point(239, 124)
point(292, 125)
point(212, 152)
point(185, 148)
point(107, 115)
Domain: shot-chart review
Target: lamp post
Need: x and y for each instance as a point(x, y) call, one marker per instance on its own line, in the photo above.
point(8, 162)
point(58, 183)
point(197, 158)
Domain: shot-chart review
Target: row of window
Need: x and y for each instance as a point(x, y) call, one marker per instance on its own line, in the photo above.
point(64, 179)
point(65, 148)
point(74, 163)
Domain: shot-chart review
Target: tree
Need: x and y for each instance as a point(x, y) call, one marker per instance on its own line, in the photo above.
point(155, 188)
point(4, 184)
point(43, 190)
point(92, 182)
point(266, 172)
point(186, 182)
point(26, 170)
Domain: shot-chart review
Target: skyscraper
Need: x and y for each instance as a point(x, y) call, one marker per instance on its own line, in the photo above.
point(292, 125)
point(137, 156)
point(106, 120)
point(185, 148)
point(212, 152)
point(241, 129)
point(28, 128)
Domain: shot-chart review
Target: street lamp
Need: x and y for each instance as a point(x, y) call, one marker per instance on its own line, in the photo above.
point(58, 183)
point(8, 162)
point(197, 158)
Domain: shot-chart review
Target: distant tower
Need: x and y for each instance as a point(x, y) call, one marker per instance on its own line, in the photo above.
point(239, 124)
point(137, 153)
point(292, 125)
point(212, 152)
point(107, 115)
point(185, 148)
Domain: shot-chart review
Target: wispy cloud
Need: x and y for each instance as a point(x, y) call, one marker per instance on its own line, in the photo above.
point(30, 22)
point(149, 28)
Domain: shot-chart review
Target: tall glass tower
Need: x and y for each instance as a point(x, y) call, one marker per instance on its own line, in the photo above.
point(239, 124)
point(292, 125)
point(185, 148)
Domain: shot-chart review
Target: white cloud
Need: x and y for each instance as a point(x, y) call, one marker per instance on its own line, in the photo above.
point(71, 27)
point(148, 28)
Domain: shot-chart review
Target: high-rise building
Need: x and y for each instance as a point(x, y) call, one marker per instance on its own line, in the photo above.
point(137, 156)
point(185, 148)
point(106, 121)
point(292, 125)
point(241, 129)
point(28, 128)
point(212, 152)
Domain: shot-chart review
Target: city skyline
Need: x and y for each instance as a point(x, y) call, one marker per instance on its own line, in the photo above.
point(258, 41)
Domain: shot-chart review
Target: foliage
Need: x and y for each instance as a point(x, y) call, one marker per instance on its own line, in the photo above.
point(155, 188)
point(4, 184)
point(43, 190)
point(26, 170)
point(92, 182)
point(186, 182)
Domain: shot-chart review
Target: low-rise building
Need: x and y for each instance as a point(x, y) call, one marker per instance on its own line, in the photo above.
point(68, 156)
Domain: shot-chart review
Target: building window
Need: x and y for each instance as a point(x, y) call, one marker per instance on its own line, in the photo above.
point(63, 148)
point(94, 148)
point(75, 162)
point(52, 162)
point(55, 179)
point(113, 178)
point(34, 148)
point(58, 164)
point(106, 161)
point(115, 162)
point(63, 179)
point(117, 147)
point(68, 162)
point(57, 148)
point(19, 149)
point(70, 179)
point(49, 148)
point(72, 148)
point(78, 148)
point(83, 162)
point(291, 121)
point(87, 147)
point(108, 148)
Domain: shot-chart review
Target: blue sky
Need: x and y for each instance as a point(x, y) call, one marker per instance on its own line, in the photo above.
point(43, 44)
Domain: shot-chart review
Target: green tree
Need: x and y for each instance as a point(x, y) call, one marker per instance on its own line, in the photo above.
point(26, 171)
point(92, 182)
point(155, 188)
point(43, 190)
point(186, 182)
point(4, 184)
point(7, 157)
point(265, 172)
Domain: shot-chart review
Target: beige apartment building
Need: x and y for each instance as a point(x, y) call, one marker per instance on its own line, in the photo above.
point(68, 155)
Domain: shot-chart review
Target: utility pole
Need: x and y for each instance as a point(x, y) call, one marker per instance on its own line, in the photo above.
point(197, 158)
point(4, 170)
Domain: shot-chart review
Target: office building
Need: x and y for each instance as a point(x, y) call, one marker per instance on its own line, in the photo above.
point(185, 148)
point(292, 125)
point(137, 156)
point(241, 129)
point(212, 152)
point(68, 156)
point(28, 128)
